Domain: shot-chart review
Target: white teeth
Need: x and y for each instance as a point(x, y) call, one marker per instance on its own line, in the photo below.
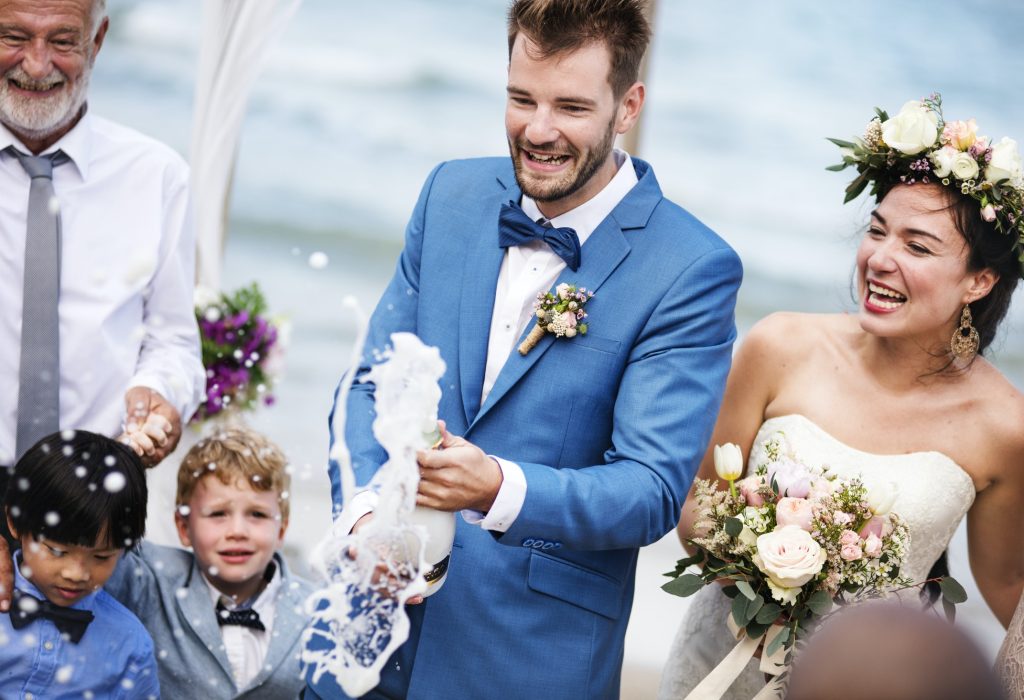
point(546, 159)
point(875, 289)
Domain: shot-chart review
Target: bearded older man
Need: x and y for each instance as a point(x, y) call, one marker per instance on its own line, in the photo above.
point(96, 249)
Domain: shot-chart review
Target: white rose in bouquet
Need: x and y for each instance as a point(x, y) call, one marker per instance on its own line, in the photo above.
point(913, 130)
point(789, 556)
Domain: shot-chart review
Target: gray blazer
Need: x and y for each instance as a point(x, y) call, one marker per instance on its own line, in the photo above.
point(186, 638)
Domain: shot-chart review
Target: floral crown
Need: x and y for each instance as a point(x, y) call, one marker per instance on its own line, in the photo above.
point(918, 145)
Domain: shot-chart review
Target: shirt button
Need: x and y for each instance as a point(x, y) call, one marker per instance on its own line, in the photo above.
point(48, 646)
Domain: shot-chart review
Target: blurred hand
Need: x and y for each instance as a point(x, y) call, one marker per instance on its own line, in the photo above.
point(457, 476)
point(386, 581)
point(152, 425)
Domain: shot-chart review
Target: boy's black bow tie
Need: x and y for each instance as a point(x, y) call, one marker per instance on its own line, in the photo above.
point(70, 621)
point(246, 617)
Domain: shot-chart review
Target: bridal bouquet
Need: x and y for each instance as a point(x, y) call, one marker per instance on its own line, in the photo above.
point(240, 347)
point(792, 540)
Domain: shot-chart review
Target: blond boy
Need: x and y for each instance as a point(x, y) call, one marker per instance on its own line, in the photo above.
point(226, 617)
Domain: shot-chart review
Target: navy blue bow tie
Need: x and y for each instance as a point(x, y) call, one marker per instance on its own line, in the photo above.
point(516, 228)
point(70, 621)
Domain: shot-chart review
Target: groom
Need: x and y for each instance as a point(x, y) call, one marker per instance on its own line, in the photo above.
point(572, 456)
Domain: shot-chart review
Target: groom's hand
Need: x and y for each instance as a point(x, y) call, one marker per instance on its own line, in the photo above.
point(458, 476)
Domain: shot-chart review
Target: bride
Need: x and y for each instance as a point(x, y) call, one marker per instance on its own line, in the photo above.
point(897, 392)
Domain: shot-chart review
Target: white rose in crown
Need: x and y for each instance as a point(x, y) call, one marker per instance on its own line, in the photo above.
point(965, 167)
point(1005, 163)
point(913, 130)
point(789, 557)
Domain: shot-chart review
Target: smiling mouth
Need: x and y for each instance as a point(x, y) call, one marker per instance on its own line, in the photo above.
point(235, 554)
point(546, 159)
point(884, 297)
point(69, 593)
point(35, 86)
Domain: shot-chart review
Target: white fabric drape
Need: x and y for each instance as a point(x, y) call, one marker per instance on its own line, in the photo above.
point(235, 35)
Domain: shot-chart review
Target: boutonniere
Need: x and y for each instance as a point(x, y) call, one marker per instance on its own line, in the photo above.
point(561, 313)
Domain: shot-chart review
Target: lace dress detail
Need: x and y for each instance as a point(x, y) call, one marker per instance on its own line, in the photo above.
point(1010, 662)
point(934, 495)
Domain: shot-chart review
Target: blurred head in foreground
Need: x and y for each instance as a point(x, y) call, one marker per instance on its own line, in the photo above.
point(886, 651)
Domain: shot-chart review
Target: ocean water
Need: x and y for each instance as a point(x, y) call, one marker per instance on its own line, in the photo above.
point(357, 101)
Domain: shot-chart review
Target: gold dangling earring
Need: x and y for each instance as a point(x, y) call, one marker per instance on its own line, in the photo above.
point(965, 340)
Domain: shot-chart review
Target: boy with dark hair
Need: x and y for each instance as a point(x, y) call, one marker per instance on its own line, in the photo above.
point(227, 617)
point(75, 503)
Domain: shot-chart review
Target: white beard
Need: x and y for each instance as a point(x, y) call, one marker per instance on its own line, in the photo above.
point(40, 117)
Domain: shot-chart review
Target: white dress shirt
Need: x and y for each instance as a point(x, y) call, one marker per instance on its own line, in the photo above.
point(246, 648)
point(127, 275)
point(525, 271)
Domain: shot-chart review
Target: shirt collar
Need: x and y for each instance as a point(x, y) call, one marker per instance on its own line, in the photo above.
point(26, 586)
point(76, 144)
point(262, 599)
point(585, 218)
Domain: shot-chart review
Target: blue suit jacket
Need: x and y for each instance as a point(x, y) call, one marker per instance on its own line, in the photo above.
point(609, 428)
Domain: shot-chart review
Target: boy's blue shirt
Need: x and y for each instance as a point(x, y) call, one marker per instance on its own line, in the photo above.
point(114, 659)
point(165, 588)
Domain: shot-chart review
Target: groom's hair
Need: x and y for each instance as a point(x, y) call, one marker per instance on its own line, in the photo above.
point(557, 26)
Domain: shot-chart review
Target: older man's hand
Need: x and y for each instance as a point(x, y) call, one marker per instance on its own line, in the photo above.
point(6, 576)
point(152, 425)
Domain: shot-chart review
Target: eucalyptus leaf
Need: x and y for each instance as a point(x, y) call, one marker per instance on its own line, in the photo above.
point(952, 591)
point(757, 629)
point(685, 585)
point(739, 611)
point(777, 641)
point(745, 589)
point(769, 613)
point(753, 606)
point(837, 167)
point(733, 527)
point(819, 603)
point(731, 591)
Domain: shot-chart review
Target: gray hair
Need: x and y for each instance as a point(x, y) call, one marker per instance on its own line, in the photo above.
point(99, 13)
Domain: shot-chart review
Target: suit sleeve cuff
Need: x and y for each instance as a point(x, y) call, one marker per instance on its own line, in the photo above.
point(362, 503)
point(507, 503)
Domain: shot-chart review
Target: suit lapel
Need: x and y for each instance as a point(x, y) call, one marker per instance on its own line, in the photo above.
point(197, 608)
point(287, 627)
point(606, 248)
point(480, 276)
point(601, 254)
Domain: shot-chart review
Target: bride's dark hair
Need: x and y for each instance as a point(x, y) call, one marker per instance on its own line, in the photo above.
point(987, 248)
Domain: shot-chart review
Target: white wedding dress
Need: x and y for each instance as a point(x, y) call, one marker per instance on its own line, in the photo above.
point(934, 495)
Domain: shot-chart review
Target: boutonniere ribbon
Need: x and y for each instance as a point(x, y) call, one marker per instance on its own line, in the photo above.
point(561, 313)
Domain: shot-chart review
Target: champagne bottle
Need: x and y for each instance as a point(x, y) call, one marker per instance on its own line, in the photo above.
point(440, 528)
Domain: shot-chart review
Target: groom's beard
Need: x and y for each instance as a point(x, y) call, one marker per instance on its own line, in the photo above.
point(38, 117)
point(587, 163)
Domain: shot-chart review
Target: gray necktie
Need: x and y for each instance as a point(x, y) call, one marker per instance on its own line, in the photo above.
point(39, 376)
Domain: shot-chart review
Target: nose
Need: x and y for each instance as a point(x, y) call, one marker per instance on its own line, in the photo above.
point(540, 129)
point(238, 528)
point(881, 256)
point(74, 570)
point(38, 59)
